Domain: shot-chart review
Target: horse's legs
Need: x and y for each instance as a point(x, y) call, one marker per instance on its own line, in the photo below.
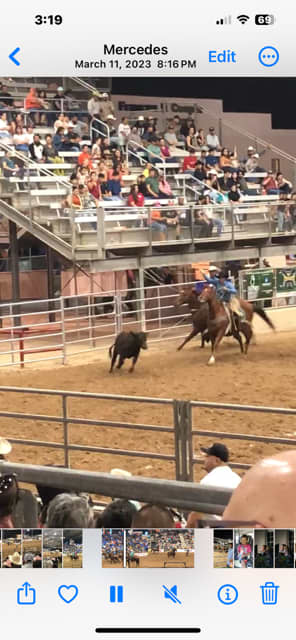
point(120, 363)
point(237, 336)
point(215, 343)
point(193, 333)
point(248, 332)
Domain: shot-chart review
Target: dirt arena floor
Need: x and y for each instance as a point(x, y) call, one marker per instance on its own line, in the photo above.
point(106, 564)
point(157, 560)
point(265, 377)
point(69, 563)
point(220, 560)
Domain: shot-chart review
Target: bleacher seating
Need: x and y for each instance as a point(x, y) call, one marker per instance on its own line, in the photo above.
point(43, 190)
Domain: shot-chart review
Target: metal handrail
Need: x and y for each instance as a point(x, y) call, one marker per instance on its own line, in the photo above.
point(151, 153)
point(104, 124)
point(34, 165)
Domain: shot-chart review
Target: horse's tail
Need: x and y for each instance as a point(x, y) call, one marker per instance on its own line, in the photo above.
point(111, 350)
point(260, 312)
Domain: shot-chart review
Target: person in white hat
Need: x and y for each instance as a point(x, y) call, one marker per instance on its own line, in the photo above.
point(94, 105)
point(15, 561)
point(123, 473)
point(106, 107)
point(5, 448)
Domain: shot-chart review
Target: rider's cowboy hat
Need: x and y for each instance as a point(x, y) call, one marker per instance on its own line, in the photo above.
point(5, 447)
point(213, 268)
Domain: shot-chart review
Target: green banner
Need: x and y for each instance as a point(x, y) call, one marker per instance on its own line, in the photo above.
point(258, 284)
point(285, 281)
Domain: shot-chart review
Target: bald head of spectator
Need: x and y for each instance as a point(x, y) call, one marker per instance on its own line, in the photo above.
point(266, 494)
point(153, 517)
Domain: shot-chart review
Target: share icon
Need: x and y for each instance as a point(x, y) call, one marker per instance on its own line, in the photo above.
point(171, 594)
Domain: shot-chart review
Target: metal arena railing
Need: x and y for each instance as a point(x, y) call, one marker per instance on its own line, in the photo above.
point(186, 438)
point(59, 328)
point(186, 496)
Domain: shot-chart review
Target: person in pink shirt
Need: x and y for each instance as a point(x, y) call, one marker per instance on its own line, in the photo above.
point(244, 551)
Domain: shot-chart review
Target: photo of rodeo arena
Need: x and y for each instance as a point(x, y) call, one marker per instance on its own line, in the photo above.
point(145, 549)
point(223, 548)
point(147, 312)
point(52, 549)
point(72, 549)
point(112, 548)
point(32, 548)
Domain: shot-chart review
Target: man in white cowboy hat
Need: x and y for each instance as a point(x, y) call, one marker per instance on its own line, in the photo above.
point(15, 561)
point(106, 107)
point(94, 104)
point(5, 448)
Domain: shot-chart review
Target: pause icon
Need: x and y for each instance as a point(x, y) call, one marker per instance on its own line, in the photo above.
point(116, 593)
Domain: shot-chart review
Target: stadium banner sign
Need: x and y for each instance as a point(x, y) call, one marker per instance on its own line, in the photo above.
point(257, 284)
point(285, 281)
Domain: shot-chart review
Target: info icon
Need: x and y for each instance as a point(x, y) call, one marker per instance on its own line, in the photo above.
point(227, 594)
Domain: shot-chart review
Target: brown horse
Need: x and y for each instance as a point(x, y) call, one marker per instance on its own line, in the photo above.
point(220, 319)
point(200, 314)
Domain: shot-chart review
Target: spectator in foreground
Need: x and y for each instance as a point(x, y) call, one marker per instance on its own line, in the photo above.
point(5, 449)
point(219, 474)
point(8, 500)
point(69, 511)
point(266, 493)
point(152, 516)
point(117, 514)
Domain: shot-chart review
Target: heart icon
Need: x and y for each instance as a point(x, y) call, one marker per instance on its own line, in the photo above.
point(68, 593)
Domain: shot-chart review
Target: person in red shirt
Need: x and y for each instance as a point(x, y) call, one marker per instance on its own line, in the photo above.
point(93, 186)
point(136, 198)
point(270, 184)
point(85, 155)
point(189, 162)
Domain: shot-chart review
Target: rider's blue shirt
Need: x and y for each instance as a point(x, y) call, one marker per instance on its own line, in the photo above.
point(224, 291)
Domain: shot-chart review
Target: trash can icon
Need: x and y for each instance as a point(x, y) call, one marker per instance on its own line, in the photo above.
point(269, 593)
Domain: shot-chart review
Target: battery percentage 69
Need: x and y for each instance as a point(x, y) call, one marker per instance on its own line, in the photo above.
point(262, 19)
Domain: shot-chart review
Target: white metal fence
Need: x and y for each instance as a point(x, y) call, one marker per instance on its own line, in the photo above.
point(60, 328)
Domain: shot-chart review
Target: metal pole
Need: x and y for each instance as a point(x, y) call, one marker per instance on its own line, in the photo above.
point(66, 433)
point(141, 298)
point(15, 275)
point(63, 328)
point(50, 284)
point(220, 125)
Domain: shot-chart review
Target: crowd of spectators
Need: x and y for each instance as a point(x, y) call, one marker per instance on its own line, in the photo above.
point(104, 160)
point(59, 509)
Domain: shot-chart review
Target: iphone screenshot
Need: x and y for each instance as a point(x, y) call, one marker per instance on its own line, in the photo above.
point(147, 320)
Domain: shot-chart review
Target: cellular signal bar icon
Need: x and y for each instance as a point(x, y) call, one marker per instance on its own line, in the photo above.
point(226, 20)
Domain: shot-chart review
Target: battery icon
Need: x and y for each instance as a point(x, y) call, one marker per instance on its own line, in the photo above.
point(264, 19)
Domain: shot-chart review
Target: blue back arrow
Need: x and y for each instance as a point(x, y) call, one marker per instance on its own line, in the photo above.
point(12, 56)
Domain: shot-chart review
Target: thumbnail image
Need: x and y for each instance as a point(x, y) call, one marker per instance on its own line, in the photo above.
point(223, 548)
point(167, 548)
point(72, 549)
point(243, 548)
point(284, 548)
point(112, 548)
point(52, 548)
point(11, 549)
point(32, 548)
point(264, 549)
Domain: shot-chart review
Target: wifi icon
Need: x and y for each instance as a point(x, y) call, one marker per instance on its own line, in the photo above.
point(243, 18)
